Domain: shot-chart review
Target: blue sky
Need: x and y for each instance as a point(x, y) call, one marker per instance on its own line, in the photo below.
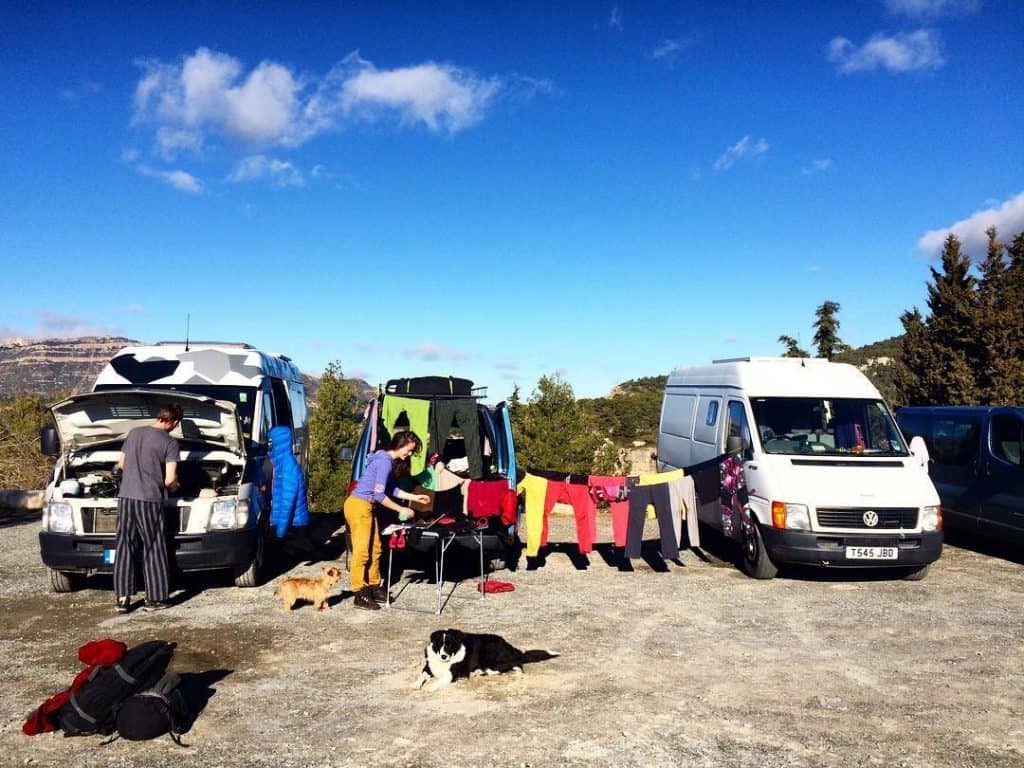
point(499, 191)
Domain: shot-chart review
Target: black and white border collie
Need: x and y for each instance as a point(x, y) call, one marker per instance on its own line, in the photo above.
point(451, 655)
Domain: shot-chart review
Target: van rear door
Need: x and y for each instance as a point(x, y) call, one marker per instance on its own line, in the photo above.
point(1002, 497)
point(505, 450)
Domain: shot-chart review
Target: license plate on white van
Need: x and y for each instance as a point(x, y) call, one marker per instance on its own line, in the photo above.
point(872, 553)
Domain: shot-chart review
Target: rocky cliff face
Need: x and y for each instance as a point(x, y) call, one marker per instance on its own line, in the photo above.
point(50, 366)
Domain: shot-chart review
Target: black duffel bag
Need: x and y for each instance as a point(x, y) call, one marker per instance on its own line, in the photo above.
point(93, 708)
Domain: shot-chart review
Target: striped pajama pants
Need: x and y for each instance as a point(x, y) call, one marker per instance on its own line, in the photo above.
point(140, 531)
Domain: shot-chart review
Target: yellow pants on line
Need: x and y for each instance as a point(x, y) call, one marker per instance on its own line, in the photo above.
point(364, 567)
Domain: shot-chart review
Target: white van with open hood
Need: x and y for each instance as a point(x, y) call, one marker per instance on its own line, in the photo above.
point(800, 461)
point(231, 396)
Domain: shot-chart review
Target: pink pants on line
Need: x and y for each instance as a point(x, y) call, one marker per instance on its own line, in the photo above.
point(609, 486)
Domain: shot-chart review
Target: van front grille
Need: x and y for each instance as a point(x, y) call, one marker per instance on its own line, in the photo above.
point(104, 519)
point(889, 518)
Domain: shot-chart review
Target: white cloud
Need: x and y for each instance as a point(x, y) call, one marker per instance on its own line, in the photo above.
point(507, 365)
point(180, 180)
point(817, 166)
point(930, 9)
point(669, 48)
point(280, 172)
point(440, 96)
point(430, 351)
point(129, 154)
point(1007, 218)
point(615, 18)
point(745, 147)
point(135, 309)
point(49, 325)
point(211, 93)
point(903, 52)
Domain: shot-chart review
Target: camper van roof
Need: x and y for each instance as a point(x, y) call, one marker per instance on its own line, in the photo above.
point(778, 377)
point(200, 363)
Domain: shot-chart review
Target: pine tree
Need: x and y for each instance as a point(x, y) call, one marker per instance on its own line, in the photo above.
point(792, 346)
point(334, 423)
point(553, 431)
point(953, 328)
point(915, 365)
point(997, 362)
point(826, 333)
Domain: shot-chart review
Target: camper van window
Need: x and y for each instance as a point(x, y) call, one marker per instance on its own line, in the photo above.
point(738, 423)
point(712, 416)
point(822, 426)
point(1007, 437)
point(282, 408)
point(955, 440)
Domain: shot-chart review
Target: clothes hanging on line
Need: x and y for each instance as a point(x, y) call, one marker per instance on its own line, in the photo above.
point(562, 477)
point(418, 414)
point(613, 490)
point(639, 497)
point(577, 495)
point(534, 489)
point(484, 497)
point(464, 413)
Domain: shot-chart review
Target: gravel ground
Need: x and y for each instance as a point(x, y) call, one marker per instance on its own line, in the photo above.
point(692, 664)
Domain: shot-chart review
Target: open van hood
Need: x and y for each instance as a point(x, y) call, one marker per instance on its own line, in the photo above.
point(95, 418)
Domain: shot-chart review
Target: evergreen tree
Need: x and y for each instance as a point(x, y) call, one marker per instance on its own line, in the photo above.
point(334, 424)
point(998, 370)
point(792, 346)
point(952, 329)
point(916, 379)
point(826, 330)
point(553, 431)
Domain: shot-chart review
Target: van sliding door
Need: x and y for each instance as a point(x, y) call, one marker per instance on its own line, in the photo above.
point(1002, 500)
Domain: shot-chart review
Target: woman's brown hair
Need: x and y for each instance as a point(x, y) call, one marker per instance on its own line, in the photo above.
point(400, 467)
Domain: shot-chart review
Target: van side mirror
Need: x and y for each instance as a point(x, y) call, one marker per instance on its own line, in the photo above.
point(49, 443)
point(347, 454)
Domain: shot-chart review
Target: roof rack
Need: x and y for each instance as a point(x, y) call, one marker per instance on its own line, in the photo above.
point(191, 343)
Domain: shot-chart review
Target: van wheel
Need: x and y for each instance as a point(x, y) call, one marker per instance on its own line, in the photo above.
point(754, 557)
point(250, 577)
point(918, 573)
point(62, 581)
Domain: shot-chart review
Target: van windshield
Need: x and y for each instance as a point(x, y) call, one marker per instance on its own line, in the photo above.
point(829, 427)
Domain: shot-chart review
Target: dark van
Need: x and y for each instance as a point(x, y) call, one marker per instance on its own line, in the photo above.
point(472, 439)
point(975, 465)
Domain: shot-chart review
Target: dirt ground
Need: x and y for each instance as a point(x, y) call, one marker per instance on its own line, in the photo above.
point(684, 665)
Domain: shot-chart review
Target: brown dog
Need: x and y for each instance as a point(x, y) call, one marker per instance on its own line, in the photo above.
point(313, 590)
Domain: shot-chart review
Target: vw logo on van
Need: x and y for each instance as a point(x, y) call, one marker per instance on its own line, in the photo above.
point(870, 518)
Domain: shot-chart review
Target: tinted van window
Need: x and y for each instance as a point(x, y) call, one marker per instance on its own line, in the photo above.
point(954, 440)
point(1007, 437)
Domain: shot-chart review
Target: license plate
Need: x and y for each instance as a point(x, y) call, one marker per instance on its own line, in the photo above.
point(109, 555)
point(872, 553)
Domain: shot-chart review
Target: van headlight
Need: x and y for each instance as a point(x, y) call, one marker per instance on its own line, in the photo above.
point(59, 517)
point(931, 518)
point(228, 515)
point(792, 516)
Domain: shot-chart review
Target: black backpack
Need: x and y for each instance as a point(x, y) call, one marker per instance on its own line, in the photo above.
point(156, 711)
point(93, 708)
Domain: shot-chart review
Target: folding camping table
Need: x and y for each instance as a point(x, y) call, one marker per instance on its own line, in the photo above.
point(441, 540)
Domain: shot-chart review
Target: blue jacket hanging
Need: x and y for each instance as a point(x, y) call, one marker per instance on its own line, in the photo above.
point(288, 505)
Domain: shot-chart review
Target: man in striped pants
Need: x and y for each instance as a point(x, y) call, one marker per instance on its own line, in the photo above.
point(149, 468)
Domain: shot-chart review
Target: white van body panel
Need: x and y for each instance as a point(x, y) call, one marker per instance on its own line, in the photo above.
point(851, 482)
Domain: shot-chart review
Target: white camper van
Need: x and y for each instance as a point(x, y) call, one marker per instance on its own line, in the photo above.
point(808, 462)
point(231, 395)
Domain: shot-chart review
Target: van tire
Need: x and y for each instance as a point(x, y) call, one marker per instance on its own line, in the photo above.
point(754, 558)
point(251, 576)
point(62, 581)
point(917, 573)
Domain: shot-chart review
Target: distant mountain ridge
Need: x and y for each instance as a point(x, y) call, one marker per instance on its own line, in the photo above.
point(50, 367)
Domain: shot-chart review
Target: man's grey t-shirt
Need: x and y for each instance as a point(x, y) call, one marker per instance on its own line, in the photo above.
point(146, 452)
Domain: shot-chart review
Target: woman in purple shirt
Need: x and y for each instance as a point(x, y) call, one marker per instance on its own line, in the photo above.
point(372, 488)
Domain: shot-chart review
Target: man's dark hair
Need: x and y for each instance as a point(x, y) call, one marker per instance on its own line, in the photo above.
point(169, 413)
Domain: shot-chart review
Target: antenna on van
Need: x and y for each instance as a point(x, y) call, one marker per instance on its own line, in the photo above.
point(188, 323)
